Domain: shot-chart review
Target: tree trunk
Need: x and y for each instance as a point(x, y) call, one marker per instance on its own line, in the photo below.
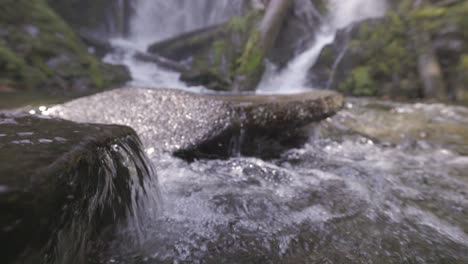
point(429, 69)
point(251, 64)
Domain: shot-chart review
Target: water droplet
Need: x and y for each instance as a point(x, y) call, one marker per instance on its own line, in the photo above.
point(150, 151)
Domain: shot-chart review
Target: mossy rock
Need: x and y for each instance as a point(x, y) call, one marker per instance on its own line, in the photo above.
point(40, 52)
point(384, 52)
point(212, 53)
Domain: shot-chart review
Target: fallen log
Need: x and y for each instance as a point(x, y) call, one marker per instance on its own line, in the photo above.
point(430, 72)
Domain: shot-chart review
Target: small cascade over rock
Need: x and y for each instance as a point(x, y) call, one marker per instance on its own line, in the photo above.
point(341, 14)
point(65, 188)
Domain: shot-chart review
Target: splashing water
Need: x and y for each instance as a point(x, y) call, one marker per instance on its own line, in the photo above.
point(378, 183)
point(342, 14)
point(341, 198)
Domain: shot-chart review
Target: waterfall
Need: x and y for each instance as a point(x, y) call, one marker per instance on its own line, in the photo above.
point(156, 20)
point(341, 15)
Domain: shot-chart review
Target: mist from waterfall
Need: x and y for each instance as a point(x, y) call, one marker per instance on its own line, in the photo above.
point(341, 14)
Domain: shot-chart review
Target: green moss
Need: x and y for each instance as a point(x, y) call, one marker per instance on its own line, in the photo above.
point(9, 62)
point(233, 52)
point(36, 36)
point(244, 23)
point(239, 24)
point(430, 12)
point(464, 62)
point(16, 72)
point(252, 58)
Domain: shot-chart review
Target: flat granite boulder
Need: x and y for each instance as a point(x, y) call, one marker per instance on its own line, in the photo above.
point(172, 120)
point(62, 183)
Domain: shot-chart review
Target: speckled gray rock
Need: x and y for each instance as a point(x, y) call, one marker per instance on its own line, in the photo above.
point(171, 120)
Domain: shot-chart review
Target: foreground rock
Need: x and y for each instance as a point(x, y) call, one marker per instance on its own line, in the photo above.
point(62, 184)
point(174, 121)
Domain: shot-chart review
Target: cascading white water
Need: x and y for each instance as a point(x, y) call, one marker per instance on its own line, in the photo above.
point(342, 14)
point(156, 20)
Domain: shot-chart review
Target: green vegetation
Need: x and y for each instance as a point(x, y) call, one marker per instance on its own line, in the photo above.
point(385, 54)
point(252, 58)
point(232, 53)
point(360, 83)
point(39, 51)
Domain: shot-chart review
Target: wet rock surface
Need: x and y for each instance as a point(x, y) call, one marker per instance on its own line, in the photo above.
point(411, 125)
point(62, 184)
point(346, 196)
point(169, 120)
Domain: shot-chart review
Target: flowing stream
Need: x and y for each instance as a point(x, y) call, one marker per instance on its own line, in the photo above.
point(361, 190)
point(380, 182)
